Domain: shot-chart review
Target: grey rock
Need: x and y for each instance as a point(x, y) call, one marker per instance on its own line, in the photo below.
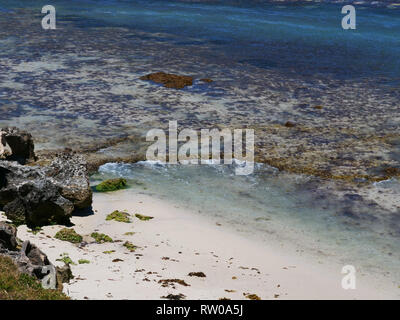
point(64, 274)
point(29, 259)
point(39, 196)
point(69, 172)
point(8, 236)
point(16, 145)
point(28, 196)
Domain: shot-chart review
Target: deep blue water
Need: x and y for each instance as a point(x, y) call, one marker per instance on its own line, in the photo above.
point(303, 38)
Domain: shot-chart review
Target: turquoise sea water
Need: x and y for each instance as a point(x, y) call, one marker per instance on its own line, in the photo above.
point(278, 208)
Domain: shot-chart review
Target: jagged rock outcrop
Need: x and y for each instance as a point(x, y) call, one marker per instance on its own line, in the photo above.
point(39, 196)
point(8, 236)
point(27, 196)
point(29, 258)
point(69, 172)
point(16, 145)
point(64, 274)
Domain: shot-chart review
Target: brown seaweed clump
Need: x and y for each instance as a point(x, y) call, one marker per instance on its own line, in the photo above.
point(197, 274)
point(392, 172)
point(168, 282)
point(179, 296)
point(169, 80)
point(290, 124)
point(251, 296)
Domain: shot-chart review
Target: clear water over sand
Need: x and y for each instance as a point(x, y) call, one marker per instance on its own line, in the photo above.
point(280, 208)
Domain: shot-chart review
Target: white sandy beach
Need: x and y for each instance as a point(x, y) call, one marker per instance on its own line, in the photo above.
point(177, 242)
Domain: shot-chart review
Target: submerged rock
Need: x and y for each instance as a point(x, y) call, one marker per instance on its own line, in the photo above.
point(206, 80)
point(169, 80)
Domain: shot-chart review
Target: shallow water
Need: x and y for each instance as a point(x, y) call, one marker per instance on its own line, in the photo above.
point(272, 206)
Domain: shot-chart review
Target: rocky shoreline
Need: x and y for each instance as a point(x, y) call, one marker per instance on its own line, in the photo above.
point(38, 195)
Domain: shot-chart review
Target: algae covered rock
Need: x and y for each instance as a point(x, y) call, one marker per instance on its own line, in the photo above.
point(69, 235)
point(111, 185)
point(119, 216)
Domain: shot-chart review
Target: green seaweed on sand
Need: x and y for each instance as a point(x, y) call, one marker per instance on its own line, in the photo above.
point(101, 237)
point(69, 235)
point(130, 246)
point(83, 261)
point(108, 251)
point(119, 216)
point(66, 259)
point(142, 217)
point(111, 185)
point(130, 233)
